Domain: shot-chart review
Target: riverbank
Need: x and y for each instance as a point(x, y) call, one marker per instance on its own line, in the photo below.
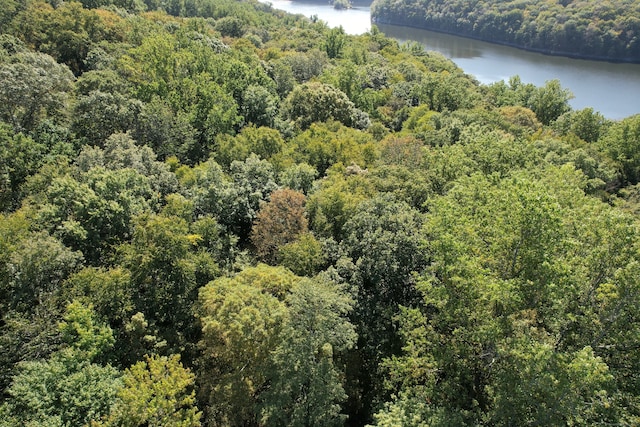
point(575, 29)
point(563, 54)
point(610, 88)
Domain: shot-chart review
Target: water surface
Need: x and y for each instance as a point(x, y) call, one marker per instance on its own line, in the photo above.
point(612, 89)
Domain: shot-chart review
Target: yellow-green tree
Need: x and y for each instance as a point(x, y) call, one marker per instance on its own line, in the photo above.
point(157, 392)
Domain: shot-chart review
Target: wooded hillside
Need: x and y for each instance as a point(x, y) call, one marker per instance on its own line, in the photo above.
point(217, 214)
point(605, 30)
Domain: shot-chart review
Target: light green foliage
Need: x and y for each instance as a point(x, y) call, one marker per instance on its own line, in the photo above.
point(305, 388)
point(32, 85)
point(260, 362)
point(80, 330)
point(304, 256)
point(445, 91)
point(364, 84)
point(621, 143)
point(335, 202)
point(277, 281)
point(323, 145)
point(95, 212)
point(585, 124)
point(263, 142)
point(66, 389)
point(521, 116)
point(548, 102)
point(510, 324)
point(318, 102)
point(66, 31)
point(156, 392)
point(334, 43)
point(553, 389)
point(241, 324)
point(61, 393)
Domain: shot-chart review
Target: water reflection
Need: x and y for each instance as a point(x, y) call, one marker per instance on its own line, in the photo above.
point(451, 47)
point(356, 20)
point(612, 89)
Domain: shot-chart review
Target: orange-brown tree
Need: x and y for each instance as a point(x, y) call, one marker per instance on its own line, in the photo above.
point(280, 221)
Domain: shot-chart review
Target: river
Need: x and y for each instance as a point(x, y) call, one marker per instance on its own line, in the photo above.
point(611, 89)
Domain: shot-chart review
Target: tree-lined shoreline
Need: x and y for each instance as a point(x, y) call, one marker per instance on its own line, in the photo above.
point(574, 31)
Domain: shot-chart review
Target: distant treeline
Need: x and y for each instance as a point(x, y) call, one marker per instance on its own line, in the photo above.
point(606, 30)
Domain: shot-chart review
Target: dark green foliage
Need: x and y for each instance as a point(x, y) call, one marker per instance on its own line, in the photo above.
point(620, 142)
point(334, 45)
point(20, 157)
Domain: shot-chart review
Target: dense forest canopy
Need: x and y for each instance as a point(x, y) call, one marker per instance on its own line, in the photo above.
point(607, 30)
point(214, 213)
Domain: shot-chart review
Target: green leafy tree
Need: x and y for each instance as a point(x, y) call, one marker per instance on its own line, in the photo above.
point(20, 156)
point(335, 201)
point(98, 115)
point(550, 102)
point(165, 274)
point(304, 256)
point(110, 291)
point(318, 102)
point(32, 85)
point(156, 392)
point(299, 177)
point(67, 389)
point(384, 252)
point(510, 330)
point(38, 265)
point(305, 387)
point(334, 43)
point(93, 214)
point(121, 152)
point(259, 106)
point(167, 132)
point(621, 142)
point(241, 324)
point(587, 124)
point(264, 142)
point(234, 200)
point(325, 144)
